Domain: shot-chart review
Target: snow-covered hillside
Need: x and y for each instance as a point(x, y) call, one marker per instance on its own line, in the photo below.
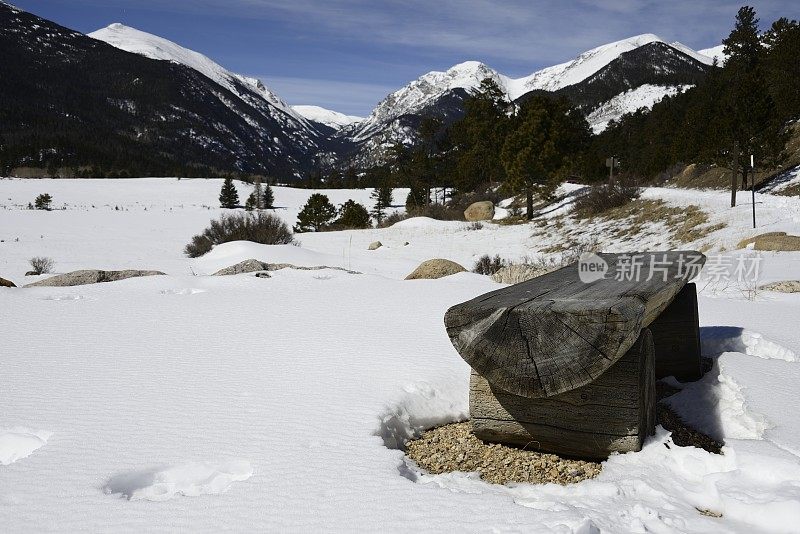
point(155, 47)
point(334, 119)
point(645, 96)
point(716, 52)
point(201, 403)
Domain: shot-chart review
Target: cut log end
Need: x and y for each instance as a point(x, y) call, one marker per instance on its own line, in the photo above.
point(612, 414)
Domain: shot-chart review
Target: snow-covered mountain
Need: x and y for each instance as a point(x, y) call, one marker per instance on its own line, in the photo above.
point(332, 119)
point(715, 52)
point(155, 47)
point(602, 81)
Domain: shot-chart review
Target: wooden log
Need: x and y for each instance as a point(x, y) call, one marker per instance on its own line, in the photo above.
point(676, 336)
point(612, 414)
point(556, 333)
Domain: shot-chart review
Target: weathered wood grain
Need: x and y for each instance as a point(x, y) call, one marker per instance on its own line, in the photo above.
point(612, 414)
point(555, 333)
point(676, 335)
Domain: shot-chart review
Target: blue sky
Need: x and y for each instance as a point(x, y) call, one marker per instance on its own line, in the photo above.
point(348, 54)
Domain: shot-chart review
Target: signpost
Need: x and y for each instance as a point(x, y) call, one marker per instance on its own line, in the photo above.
point(753, 187)
point(611, 163)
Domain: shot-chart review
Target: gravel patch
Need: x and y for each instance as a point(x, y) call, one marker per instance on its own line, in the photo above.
point(453, 447)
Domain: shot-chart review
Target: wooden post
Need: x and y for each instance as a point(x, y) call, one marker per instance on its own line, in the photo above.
point(676, 336)
point(734, 172)
point(612, 414)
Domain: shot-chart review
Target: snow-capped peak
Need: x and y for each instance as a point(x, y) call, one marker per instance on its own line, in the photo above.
point(334, 119)
point(155, 47)
point(715, 52)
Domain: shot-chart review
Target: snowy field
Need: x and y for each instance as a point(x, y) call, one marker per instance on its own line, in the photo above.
point(197, 403)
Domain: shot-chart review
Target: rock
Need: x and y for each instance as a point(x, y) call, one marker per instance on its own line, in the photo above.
point(246, 266)
point(518, 272)
point(375, 245)
point(31, 273)
point(777, 241)
point(786, 286)
point(263, 274)
point(251, 266)
point(90, 276)
point(7, 283)
point(436, 268)
point(479, 211)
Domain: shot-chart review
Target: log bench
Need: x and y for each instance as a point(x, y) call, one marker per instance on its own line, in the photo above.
point(567, 365)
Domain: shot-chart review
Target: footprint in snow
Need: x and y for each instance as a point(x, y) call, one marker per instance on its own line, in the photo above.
point(19, 442)
point(190, 479)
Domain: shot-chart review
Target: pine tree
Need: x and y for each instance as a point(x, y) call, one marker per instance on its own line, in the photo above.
point(782, 50)
point(43, 201)
point(750, 121)
point(268, 198)
point(316, 215)
point(228, 196)
point(383, 199)
point(543, 146)
point(353, 215)
point(478, 138)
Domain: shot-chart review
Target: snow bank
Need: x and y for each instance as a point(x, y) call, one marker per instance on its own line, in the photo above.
point(190, 479)
point(19, 442)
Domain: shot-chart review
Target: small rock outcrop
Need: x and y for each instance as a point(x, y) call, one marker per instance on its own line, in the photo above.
point(7, 283)
point(479, 211)
point(436, 268)
point(775, 241)
point(90, 276)
point(255, 266)
point(516, 273)
point(375, 245)
point(785, 286)
point(246, 266)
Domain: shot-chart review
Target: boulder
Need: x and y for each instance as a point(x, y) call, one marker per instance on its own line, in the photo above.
point(31, 273)
point(776, 241)
point(785, 286)
point(263, 274)
point(517, 272)
point(246, 266)
point(90, 276)
point(479, 211)
point(375, 245)
point(7, 283)
point(436, 268)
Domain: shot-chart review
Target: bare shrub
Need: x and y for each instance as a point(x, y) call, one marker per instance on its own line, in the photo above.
point(488, 265)
point(41, 265)
point(474, 226)
point(601, 198)
point(392, 218)
point(259, 227)
point(441, 212)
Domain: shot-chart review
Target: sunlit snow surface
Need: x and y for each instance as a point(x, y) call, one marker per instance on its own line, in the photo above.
point(198, 403)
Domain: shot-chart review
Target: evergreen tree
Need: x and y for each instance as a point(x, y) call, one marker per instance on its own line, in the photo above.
point(543, 146)
point(228, 196)
point(269, 197)
point(782, 51)
point(383, 199)
point(353, 215)
point(750, 123)
point(316, 215)
point(478, 138)
point(43, 202)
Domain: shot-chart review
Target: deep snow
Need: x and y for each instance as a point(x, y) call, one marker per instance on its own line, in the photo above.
point(236, 403)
